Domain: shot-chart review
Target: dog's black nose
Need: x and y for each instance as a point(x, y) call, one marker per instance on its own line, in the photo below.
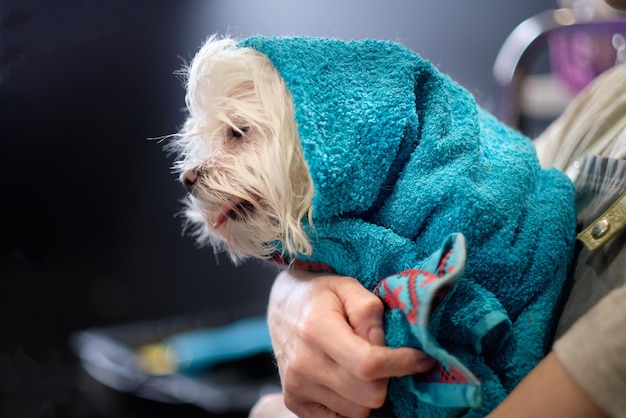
point(188, 178)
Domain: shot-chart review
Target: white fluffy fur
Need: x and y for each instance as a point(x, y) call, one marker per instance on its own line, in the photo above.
point(241, 140)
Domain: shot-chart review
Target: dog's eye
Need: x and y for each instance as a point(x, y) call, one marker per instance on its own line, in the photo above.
point(238, 133)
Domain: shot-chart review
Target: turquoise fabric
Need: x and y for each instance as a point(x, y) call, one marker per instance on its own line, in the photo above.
point(410, 298)
point(402, 158)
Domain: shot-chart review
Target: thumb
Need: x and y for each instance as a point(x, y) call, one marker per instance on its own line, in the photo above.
point(363, 309)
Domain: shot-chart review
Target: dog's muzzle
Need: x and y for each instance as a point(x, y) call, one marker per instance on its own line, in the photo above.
point(235, 209)
point(189, 178)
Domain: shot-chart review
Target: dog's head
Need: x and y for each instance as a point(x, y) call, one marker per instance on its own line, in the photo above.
point(239, 155)
point(288, 134)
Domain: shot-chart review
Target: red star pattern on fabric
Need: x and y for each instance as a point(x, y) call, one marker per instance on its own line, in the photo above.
point(441, 375)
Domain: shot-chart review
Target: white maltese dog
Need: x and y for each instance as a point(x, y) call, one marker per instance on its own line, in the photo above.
point(241, 160)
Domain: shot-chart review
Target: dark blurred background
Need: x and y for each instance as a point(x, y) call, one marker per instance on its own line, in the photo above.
point(88, 233)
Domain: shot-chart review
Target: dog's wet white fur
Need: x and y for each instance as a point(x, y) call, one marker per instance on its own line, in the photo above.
point(239, 155)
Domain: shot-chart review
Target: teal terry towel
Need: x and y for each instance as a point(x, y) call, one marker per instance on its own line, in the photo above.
point(403, 160)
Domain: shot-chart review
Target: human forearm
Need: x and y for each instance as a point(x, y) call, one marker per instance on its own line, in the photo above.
point(548, 391)
point(585, 375)
point(593, 350)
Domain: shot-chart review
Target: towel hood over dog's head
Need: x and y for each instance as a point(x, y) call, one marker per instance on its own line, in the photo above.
point(355, 107)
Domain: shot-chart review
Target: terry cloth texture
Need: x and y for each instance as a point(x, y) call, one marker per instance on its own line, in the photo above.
point(402, 158)
point(412, 296)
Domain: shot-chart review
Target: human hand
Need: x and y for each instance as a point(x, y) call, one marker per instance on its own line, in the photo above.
point(329, 342)
point(271, 406)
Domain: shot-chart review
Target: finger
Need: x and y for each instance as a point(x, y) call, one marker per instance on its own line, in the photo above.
point(334, 336)
point(401, 361)
point(271, 406)
point(322, 402)
point(367, 361)
point(362, 386)
point(348, 388)
point(310, 368)
point(364, 310)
